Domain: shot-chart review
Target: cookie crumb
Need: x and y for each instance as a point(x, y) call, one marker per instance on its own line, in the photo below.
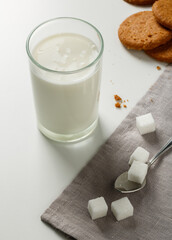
point(158, 68)
point(117, 98)
point(118, 105)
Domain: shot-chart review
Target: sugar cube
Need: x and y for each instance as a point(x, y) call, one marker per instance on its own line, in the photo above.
point(145, 123)
point(97, 208)
point(122, 208)
point(140, 154)
point(137, 172)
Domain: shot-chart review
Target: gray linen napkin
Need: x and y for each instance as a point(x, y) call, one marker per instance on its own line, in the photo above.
point(152, 218)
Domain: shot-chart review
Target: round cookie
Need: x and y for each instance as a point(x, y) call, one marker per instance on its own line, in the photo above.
point(140, 2)
point(162, 10)
point(141, 31)
point(162, 53)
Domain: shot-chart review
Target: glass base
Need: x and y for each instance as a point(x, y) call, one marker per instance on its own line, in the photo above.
point(68, 137)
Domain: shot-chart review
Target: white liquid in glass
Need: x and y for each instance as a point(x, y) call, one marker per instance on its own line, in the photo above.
point(66, 103)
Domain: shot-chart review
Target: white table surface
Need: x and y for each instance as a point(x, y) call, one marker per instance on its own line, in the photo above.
point(34, 170)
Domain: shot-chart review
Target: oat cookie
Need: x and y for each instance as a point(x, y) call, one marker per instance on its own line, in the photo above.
point(162, 10)
point(162, 53)
point(141, 31)
point(140, 2)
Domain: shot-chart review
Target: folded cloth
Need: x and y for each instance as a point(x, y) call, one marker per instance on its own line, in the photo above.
point(152, 205)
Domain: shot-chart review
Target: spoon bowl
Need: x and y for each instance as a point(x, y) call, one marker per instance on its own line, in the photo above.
point(125, 186)
point(122, 183)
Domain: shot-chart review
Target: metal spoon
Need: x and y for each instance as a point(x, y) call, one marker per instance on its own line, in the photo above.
point(122, 183)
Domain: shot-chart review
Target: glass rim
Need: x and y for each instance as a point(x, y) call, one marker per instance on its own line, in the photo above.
point(64, 72)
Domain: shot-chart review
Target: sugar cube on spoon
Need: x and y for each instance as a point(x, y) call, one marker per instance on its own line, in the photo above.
point(137, 172)
point(140, 154)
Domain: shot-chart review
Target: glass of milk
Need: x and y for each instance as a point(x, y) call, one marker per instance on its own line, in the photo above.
point(65, 56)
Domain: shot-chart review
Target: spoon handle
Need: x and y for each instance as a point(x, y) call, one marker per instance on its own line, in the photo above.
point(166, 147)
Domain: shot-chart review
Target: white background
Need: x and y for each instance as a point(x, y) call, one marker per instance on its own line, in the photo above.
point(33, 169)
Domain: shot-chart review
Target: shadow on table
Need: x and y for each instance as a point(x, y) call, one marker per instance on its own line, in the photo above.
point(77, 154)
